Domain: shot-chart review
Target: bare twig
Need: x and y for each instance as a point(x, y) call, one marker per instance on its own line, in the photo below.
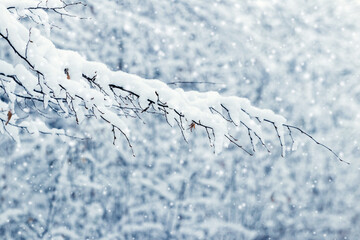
point(317, 142)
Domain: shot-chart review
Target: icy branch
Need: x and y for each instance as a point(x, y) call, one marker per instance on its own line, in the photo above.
point(74, 87)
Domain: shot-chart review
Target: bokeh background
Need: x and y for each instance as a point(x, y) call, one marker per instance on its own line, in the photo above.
point(299, 58)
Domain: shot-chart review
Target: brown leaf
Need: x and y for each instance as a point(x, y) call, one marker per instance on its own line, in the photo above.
point(192, 126)
point(9, 115)
point(66, 71)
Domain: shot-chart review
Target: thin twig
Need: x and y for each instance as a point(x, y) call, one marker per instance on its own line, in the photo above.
point(317, 142)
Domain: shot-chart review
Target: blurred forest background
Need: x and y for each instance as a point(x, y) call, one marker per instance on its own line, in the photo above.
point(298, 58)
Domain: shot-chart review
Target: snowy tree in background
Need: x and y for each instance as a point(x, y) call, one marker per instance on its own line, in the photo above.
point(85, 189)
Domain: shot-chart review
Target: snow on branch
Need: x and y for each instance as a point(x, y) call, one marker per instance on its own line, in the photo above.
point(73, 87)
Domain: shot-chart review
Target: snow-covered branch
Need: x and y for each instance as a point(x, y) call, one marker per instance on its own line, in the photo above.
point(73, 87)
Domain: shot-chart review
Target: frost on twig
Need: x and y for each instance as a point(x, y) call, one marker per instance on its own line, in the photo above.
point(76, 88)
